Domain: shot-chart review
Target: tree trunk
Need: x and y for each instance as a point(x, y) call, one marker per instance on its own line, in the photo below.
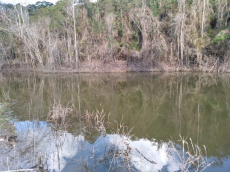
point(75, 36)
point(203, 20)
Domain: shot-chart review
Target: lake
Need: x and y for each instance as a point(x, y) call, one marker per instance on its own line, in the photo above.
point(157, 108)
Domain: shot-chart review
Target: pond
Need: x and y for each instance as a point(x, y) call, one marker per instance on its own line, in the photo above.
point(147, 112)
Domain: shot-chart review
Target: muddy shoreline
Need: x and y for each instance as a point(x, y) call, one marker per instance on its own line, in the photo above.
point(114, 67)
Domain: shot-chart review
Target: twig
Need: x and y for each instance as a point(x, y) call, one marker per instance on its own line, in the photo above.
point(145, 157)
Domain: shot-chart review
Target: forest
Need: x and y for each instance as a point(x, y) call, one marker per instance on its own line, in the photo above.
point(116, 36)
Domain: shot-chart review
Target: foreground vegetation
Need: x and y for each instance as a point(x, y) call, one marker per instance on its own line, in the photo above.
point(140, 34)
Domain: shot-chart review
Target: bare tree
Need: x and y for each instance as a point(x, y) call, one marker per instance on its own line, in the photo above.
point(75, 32)
point(203, 19)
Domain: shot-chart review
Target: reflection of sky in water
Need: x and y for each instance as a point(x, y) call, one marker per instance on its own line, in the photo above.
point(66, 152)
point(25, 125)
point(222, 165)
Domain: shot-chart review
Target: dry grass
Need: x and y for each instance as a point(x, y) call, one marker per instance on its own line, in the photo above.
point(58, 113)
point(99, 121)
point(190, 156)
point(95, 121)
point(6, 96)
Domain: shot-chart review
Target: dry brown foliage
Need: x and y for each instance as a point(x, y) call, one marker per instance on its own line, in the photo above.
point(190, 156)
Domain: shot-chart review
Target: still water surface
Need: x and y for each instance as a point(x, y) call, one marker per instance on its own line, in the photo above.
point(160, 107)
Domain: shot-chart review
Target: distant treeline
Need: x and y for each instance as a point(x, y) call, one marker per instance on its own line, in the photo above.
point(176, 33)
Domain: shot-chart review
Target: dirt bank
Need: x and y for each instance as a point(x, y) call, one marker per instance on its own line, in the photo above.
point(117, 66)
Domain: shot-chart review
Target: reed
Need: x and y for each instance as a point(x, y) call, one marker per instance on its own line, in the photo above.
point(190, 155)
point(58, 112)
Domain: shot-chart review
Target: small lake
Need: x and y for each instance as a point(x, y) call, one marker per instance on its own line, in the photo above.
point(158, 107)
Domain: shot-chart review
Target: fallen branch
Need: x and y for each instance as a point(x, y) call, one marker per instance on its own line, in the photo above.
point(145, 157)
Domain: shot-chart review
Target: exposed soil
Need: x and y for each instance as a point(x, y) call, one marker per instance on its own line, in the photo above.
point(117, 66)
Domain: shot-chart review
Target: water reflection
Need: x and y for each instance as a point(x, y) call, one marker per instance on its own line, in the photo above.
point(159, 106)
point(65, 152)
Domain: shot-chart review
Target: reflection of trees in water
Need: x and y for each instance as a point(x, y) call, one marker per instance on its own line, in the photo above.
point(157, 105)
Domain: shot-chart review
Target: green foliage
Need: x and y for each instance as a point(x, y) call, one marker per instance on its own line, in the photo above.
point(210, 32)
point(43, 4)
point(6, 7)
point(120, 33)
point(84, 43)
point(222, 36)
point(32, 8)
point(166, 6)
point(135, 43)
point(154, 6)
point(56, 13)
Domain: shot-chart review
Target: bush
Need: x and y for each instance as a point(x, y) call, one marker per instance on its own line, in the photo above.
point(222, 36)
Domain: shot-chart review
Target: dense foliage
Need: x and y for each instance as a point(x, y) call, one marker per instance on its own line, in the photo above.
point(192, 33)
